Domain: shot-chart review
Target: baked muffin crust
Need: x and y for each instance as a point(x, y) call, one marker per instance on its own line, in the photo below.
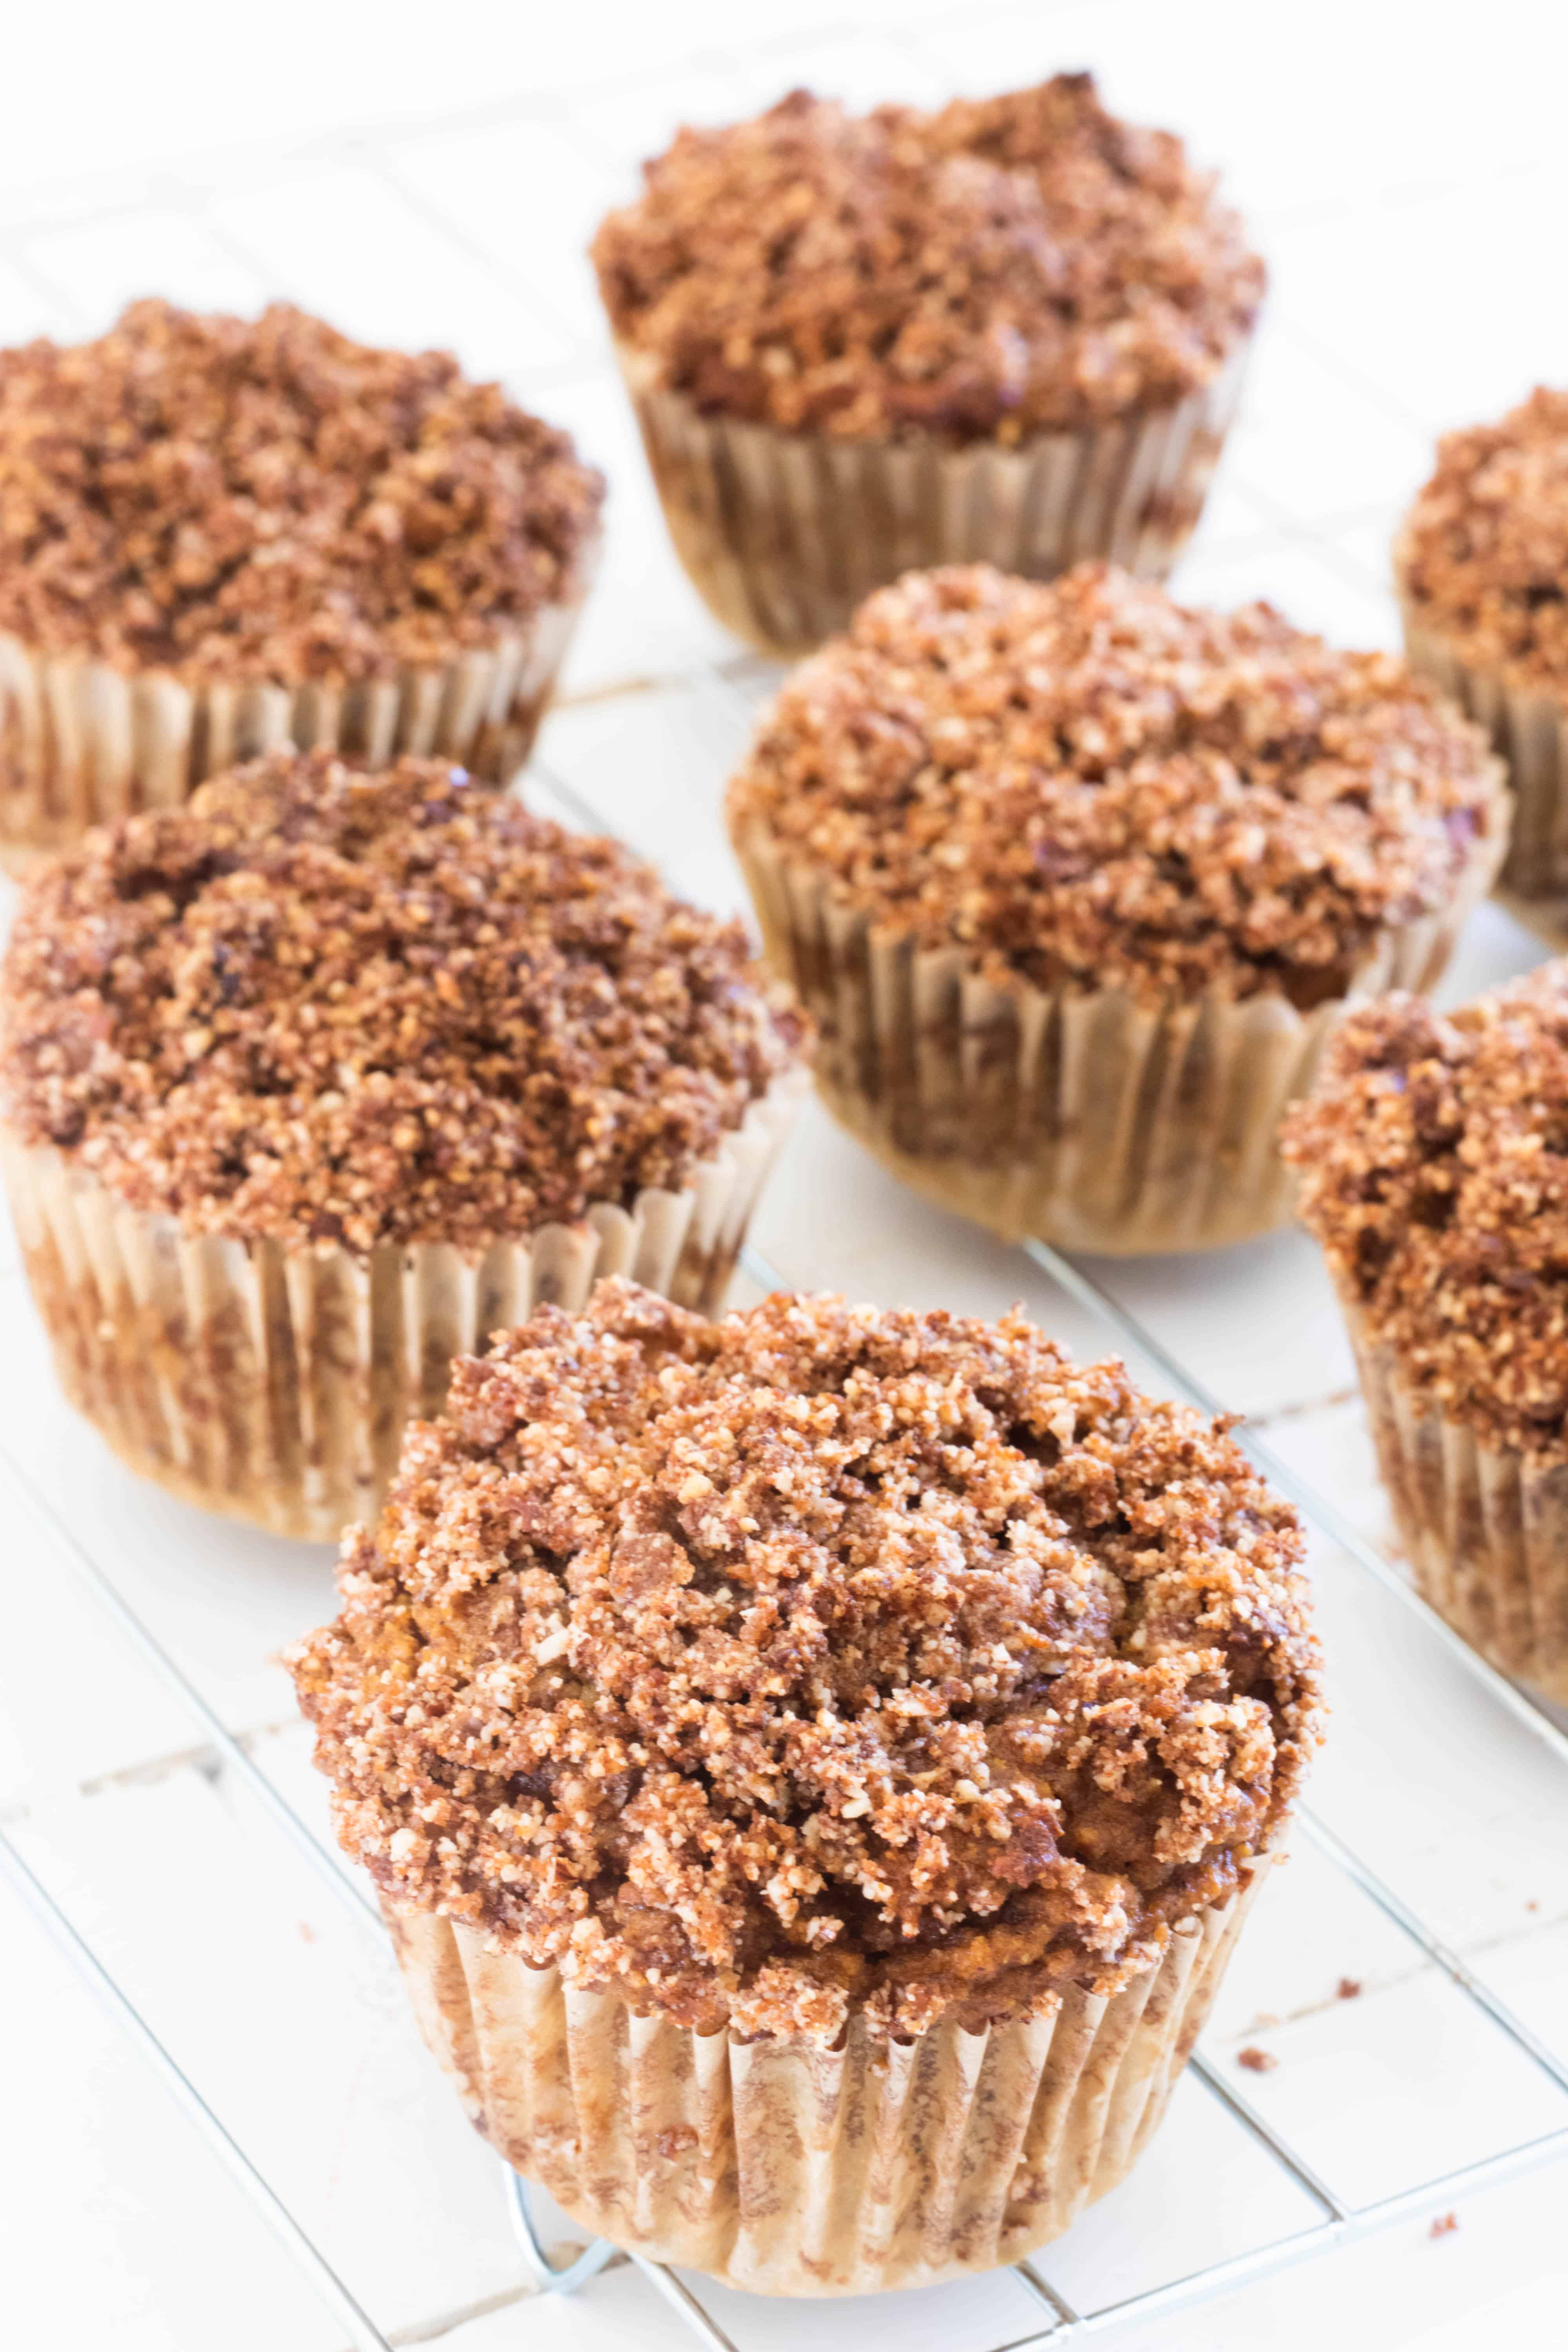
point(1004, 267)
point(815, 1658)
point(1483, 553)
point(1084, 782)
point(313, 1004)
point(1433, 1160)
point(266, 500)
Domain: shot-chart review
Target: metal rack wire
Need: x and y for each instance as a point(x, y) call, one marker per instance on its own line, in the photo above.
point(1339, 2219)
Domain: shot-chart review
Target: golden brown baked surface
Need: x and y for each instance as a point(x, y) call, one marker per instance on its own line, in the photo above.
point(265, 498)
point(819, 1656)
point(1085, 781)
point(1483, 553)
point(315, 1004)
point(1432, 1160)
point(1004, 267)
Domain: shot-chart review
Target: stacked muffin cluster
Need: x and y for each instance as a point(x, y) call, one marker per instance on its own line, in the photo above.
point(815, 1763)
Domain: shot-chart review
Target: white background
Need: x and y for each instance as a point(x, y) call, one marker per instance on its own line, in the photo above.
point(431, 176)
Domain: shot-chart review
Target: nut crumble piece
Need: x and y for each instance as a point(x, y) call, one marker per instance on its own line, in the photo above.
point(313, 1004)
point(820, 1658)
point(1083, 782)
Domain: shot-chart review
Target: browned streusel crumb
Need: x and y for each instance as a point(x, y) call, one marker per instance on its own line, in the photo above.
point(1483, 554)
point(266, 500)
point(1256, 2060)
point(818, 1657)
point(1004, 267)
point(1444, 2226)
point(1084, 782)
point(313, 1004)
point(1348, 1988)
point(1433, 1155)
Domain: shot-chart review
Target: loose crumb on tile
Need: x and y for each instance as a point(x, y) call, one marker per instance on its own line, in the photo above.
point(1349, 1988)
point(1256, 2060)
point(1444, 2226)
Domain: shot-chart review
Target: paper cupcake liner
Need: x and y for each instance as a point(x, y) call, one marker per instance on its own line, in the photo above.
point(787, 2168)
point(1530, 727)
point(81, 744)
point(275, 1383)
point(1085, 1117)
point(784, 534)
point(1485, 1529)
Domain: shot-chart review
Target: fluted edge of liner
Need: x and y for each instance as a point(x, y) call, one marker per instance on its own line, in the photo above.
point(81, 743)
point(787, 2168)
point(1083, 1117)
point(274, 1383)
point(784, 534)
point(1485, 1528)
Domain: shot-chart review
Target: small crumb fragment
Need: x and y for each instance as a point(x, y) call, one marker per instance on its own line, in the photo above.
point(307, 1933)
point(1256, 2060)
point(1444, 2226)
point(1349, 1989)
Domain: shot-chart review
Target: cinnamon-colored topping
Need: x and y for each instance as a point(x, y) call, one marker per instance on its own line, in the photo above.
point(1004, 267)
point(1483, 555)
point(268, 501)
point(820, 1657)
point(313, 1004)
point(1085, 783)
point(1434, 1170)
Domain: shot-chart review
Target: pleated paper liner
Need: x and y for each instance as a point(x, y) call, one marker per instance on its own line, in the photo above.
point(1083, 1117)
point(81, 744)
point(1528, 727)
point(787, 2168)
point(784, 534)
point(1485, 1529)
point(274, 1383)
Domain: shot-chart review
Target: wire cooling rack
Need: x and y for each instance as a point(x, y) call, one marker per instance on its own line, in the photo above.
point(433, 256)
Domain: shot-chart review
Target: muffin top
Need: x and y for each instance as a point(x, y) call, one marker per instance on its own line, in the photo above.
point(265, 500)
point(1434, 1170)
point(317, 1005)
point(1008, 266)
point(817, 1658)
point(1483, 554)
point(1083, 783)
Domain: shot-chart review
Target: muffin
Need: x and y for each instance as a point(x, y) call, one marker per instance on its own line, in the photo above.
point(1011, 330)
point(1482, 565)
point(815, 1766)
point(309, 1083)
point(220, 536)
point(1077, 881)
point(1434, 1170)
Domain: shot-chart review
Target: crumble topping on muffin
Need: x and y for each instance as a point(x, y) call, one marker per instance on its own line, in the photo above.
point(820, 1658)
point(1082, 782)
point(314, 1005)
point(1433, 1158)
point(269, 499)
point(1004, 267)
point(1483, 553)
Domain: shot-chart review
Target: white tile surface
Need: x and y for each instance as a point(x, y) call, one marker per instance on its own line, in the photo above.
point(437, 184)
